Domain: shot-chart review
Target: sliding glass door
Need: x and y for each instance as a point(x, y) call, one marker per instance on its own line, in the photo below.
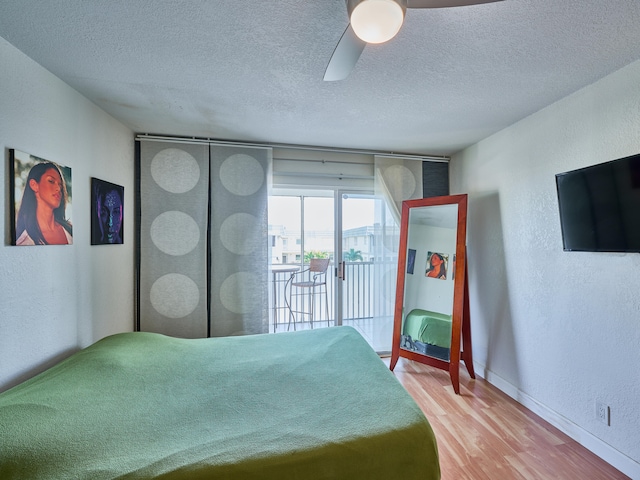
point(361, 273)
point(301, 229)
point(339, 226)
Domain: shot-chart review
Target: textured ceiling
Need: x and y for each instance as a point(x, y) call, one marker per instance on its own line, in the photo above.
point(252, 70)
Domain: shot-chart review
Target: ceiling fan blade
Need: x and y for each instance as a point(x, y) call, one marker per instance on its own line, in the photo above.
point(445, 3)
point(345, 56)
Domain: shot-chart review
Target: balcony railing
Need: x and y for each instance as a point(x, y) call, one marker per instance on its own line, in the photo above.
point(358, 295)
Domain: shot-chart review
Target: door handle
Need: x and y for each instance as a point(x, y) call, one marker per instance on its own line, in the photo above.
point(340, 271)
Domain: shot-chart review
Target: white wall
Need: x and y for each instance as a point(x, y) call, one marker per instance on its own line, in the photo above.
point(57, 299)
point(557, 330)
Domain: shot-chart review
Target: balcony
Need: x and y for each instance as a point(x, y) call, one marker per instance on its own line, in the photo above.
point(359, 304)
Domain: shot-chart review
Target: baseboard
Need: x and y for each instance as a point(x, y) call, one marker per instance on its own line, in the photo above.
point(617, 459)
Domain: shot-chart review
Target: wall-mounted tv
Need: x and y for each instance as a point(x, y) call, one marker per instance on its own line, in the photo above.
point(600, 206)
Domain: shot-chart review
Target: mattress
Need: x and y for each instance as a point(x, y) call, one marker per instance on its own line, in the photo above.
point(306, 405)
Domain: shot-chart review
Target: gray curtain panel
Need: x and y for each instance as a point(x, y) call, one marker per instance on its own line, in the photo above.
point(238, 240)
point(174, 218)
point(435, 179)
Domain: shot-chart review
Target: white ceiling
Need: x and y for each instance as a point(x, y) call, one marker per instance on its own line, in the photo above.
point(252, 70)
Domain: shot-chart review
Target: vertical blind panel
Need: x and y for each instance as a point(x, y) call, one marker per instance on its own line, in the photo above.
point(435, 179)
point(174, 186)
point(398, 179)
point(239, 250)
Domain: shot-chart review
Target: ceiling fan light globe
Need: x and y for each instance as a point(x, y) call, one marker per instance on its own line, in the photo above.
point(376, 21)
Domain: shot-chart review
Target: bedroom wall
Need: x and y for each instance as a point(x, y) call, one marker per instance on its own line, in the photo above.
point(56, 299)
point(556, 330)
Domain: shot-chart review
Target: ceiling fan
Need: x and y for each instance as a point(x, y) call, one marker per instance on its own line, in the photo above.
point(376, 21)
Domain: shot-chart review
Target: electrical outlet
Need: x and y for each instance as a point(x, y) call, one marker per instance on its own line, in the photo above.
point(602, 412)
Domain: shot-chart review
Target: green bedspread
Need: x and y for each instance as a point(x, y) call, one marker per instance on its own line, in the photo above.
point(303, 405)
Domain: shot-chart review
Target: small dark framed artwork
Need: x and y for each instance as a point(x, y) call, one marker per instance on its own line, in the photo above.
point(411, 261)
point(107, 213)
point(40, 199)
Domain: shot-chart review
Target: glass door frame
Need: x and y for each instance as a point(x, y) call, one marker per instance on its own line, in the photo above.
point(338, 266)
point(339, 262)
point(301, 196)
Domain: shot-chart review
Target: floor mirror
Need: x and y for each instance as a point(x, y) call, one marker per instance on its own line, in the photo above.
point(431, 318)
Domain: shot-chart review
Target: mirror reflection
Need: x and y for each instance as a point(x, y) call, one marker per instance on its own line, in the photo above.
point(428, 282)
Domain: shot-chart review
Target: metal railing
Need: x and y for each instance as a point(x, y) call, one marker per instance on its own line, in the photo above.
point(358, 295)
point(358, 283)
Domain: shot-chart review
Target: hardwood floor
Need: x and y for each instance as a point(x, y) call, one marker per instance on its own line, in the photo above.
point(484, 434)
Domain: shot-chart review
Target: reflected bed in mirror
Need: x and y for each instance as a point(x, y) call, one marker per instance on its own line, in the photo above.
point(431, 313)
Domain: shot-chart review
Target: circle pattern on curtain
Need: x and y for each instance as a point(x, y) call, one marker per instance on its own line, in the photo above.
point(239, 233)
point(231, 292)
point(175, 170)
point(174, 295)
point(401, 181)
point(242, 174)
point(175, 233)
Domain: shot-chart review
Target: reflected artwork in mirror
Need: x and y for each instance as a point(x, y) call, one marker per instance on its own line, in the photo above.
point(431, 323)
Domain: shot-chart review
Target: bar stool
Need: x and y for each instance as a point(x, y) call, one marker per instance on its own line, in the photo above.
point(302, 284)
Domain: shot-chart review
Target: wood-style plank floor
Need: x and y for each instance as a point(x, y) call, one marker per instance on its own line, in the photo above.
point(484, 434)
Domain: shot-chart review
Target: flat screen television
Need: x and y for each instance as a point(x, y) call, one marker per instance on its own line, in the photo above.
point(600, 206)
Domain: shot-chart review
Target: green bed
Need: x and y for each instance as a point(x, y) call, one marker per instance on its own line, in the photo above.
point(306, 405)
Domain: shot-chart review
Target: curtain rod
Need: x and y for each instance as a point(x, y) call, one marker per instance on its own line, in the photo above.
point(201, 140)
point(323, 175)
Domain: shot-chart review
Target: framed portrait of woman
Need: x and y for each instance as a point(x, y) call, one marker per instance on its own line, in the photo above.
point(437, 265)
point(41, 198)
point(107, 211)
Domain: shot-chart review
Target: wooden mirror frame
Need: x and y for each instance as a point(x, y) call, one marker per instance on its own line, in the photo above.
point(460, 326)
